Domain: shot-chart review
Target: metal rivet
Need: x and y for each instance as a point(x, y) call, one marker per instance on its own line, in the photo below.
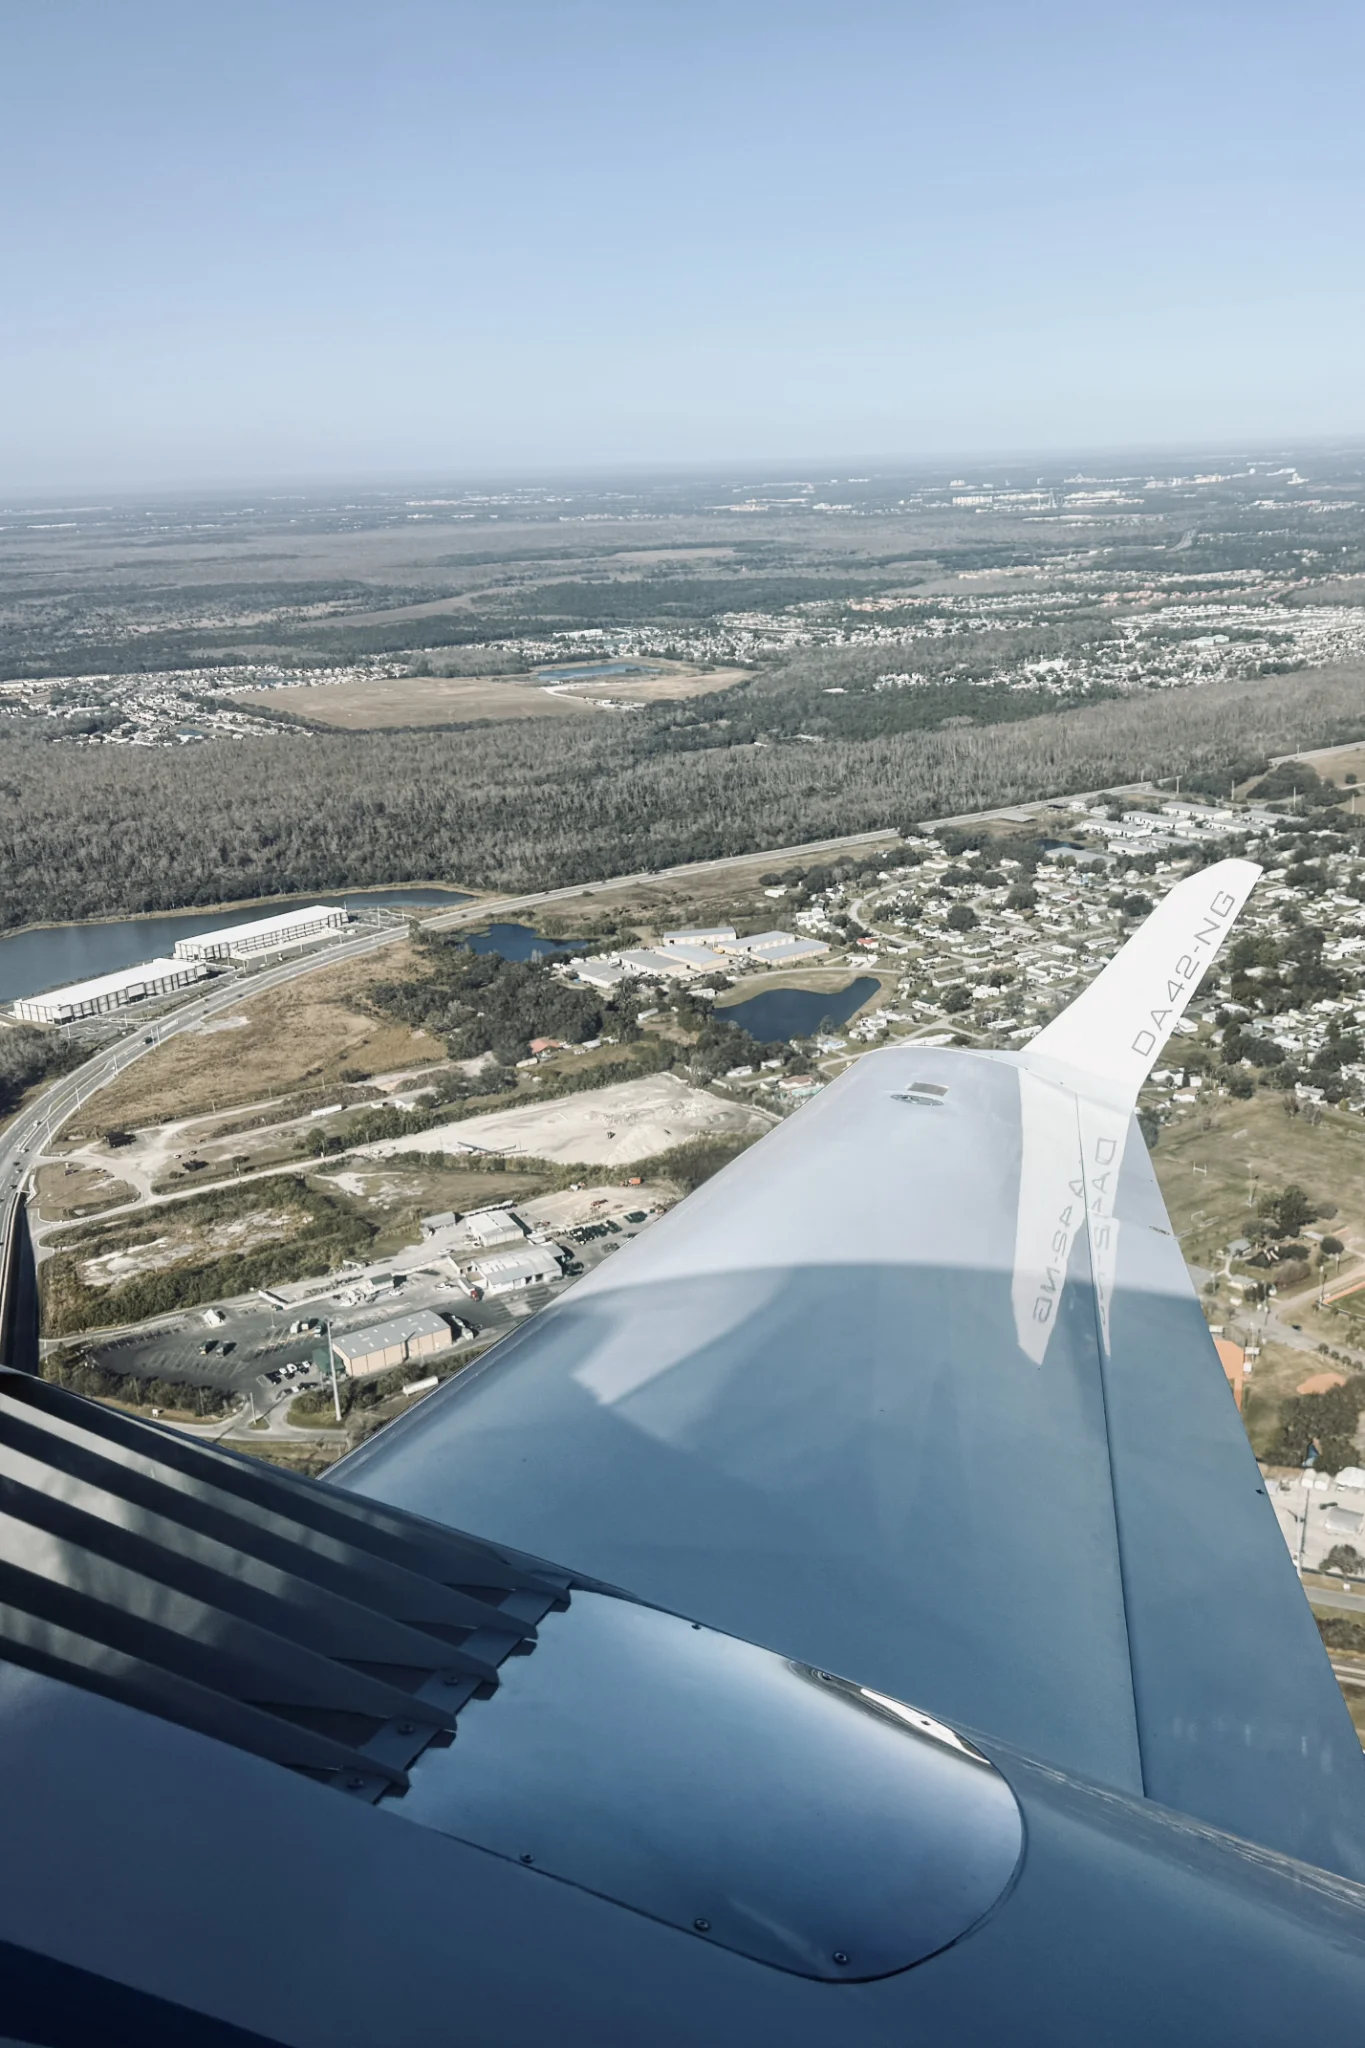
point(525, 1858)
point(450, 1679)
point(407, 1727)
point(696, 1624)
point(355, 1784)
point(702, 1926)
point(839, 1956)
point(825, 1676)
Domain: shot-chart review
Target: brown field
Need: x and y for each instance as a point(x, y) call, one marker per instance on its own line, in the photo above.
point(1249, 1148)
point(301, 1035)
point(65, 1192)
point(460, 700)
point(1334, 764)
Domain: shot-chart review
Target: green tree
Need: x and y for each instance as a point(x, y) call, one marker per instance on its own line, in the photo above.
point(1288, 1211)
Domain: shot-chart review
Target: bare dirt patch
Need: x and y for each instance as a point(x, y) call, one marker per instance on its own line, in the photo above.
point(612, 1126)
point(302, 1035)
point(186, 1241)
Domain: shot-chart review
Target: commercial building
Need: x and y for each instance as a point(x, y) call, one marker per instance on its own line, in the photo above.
point(700, 935)
point(599, 973)
point(770, 947)
point(109, 992)
point(663, 962)
point(382, 1346)
point(511, 1271)
point(694, 955)
point(264, 935)
point(494, 1226)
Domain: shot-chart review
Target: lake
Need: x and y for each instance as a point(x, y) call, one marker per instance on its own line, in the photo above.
point(36, 960)
point(798, 1012)
point(519, 942)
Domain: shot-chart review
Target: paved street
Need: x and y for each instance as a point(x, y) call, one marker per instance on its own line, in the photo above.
point(23, 1138)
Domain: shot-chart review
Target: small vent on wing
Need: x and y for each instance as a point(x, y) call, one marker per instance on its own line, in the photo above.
point(928, 1093)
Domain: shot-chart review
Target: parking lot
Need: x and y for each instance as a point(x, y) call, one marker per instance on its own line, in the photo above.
point(256, 1339)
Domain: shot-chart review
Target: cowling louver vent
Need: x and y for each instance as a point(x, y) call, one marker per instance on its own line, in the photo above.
point(326, 1632)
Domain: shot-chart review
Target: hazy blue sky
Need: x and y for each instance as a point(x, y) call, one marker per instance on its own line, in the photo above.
point(324, 237)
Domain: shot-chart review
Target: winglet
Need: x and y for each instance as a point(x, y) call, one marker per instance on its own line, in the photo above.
point(1112, 1035)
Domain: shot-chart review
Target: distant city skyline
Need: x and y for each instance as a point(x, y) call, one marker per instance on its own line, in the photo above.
point(307, 242)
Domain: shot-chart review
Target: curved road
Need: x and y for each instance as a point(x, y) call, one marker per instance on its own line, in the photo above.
point(32, 1128)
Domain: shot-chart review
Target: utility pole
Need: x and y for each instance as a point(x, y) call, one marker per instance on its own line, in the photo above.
point(332, 1361)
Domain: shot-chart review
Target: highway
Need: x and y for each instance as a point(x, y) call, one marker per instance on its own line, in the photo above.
point(25, 1137)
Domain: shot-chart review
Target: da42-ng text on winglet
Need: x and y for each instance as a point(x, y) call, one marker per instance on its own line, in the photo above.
point(1111, 1037)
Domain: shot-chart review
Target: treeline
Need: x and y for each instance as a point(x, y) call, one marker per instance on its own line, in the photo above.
point(1321, 1424)
point(521, 806)
point(81, 1376)
point(326, 1233)
point(28, 1057)
point(479, 1002)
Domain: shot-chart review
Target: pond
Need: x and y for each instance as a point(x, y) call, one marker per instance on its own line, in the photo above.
point(519, 942)
point(797, 1012)
point(33, 961)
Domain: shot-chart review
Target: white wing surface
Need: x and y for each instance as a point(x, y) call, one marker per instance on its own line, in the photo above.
point(918, 1390)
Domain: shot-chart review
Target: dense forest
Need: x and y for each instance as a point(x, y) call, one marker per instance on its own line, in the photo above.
point(85, 832)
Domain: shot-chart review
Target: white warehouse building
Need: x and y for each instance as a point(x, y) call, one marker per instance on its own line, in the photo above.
point(263, 935)
point(513, 1270)
point(108, 992)
point(381, 1346)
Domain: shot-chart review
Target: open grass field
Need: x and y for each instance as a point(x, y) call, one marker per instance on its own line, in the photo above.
point(1213, 1164)
point(303, 1035)
point(371, 706)
point(69, 1191)
point(1335, 764)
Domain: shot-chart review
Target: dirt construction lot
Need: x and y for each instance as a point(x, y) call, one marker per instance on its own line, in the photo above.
point(459, 700)
point(612, 1126)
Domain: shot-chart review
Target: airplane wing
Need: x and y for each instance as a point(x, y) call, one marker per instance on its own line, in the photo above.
point(919, 1389)
point(851, 1613)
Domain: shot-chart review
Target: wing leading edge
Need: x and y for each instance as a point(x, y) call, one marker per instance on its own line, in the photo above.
point(918, 1391)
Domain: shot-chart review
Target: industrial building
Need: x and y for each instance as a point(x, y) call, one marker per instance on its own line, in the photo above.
point(494, 1226)
point(767, 949)
point(697, 957)
point(263, 935)
point(599, 973)
point(647, 960)
point(382, 1346)
point(699, 935)
point(108, 992)
point(510, 1271)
